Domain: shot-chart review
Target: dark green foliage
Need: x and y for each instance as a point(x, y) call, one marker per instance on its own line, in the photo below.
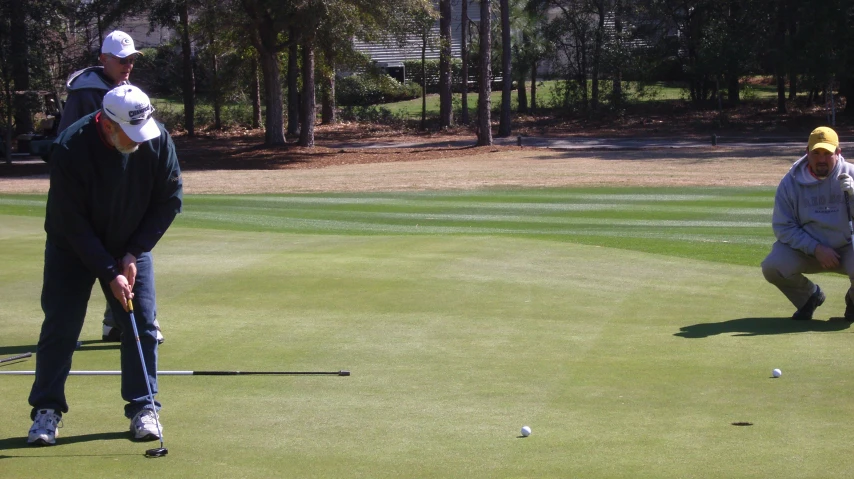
point(158, 70)
point(413, 72)
point(368, 89)
point(371, 114)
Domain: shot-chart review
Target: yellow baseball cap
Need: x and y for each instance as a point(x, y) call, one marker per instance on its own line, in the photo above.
point(824, 138)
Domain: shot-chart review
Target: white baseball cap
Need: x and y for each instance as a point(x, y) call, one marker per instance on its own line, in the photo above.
point(128, 106)
point(119, 44)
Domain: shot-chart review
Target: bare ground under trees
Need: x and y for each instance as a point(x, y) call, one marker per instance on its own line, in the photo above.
point(234, 162)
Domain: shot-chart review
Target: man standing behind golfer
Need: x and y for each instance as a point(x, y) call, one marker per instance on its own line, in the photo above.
point(115, 187)
point(87, 87)
point(811, 223)
point(86, 90)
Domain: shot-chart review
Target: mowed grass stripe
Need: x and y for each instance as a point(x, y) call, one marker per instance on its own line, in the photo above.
point(687, 222)
point(364, 217)
point(679, 222)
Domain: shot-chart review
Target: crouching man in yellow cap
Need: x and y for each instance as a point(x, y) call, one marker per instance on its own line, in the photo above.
point(812, 224)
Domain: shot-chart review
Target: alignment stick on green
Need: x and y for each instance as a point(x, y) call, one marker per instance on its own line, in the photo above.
point(197, 373)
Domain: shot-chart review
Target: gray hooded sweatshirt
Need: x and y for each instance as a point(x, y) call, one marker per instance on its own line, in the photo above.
point(809, 211)
point(86, 90)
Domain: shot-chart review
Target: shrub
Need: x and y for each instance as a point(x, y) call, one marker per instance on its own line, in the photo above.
point(370, 114)
point(431, 67)
point(368, 89)
point(171, 116)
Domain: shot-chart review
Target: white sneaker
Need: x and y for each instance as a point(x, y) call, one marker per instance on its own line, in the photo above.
point(160, 338)
point(114, 335)
point(43, 432)
point(144, 426)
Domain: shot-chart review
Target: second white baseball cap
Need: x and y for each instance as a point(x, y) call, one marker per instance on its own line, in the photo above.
point(119, 44)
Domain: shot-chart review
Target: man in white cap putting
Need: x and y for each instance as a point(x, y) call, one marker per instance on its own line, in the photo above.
point(115, 188)
point(86, 90)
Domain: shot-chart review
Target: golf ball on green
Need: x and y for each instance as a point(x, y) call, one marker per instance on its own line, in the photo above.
point(776, 373)
point(526, 431)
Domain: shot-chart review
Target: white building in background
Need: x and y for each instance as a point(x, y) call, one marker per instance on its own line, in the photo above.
point(390, 55)
point(138, 29)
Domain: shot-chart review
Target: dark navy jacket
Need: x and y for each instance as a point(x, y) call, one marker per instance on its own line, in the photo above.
point(103, 204)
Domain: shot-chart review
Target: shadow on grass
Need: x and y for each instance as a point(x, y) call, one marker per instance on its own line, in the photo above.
point(761, 327)
point(8, 352)
point(86, 345)
point(21, 442)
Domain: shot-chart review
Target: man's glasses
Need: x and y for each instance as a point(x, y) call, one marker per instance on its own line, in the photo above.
point(124, 61)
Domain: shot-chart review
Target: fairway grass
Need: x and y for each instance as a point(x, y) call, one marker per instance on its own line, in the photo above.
point(628, 327)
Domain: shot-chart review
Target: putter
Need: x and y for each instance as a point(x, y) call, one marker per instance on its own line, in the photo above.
point(15, 358)
point(158, 451)
point(850, 223)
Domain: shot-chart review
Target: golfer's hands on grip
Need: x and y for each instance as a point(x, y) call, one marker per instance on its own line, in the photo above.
point(826, 256)
point(122, 285)
point(846, 183)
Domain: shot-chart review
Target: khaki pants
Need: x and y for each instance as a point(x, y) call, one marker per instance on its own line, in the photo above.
point(785, 267)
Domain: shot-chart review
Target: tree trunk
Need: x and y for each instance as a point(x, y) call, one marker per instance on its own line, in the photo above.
point(617, 90)
point(308, 111)
point(465, 31)
point(846, 89)
point(424, 81)
point(7, 132)
point(484, 105)
point(256, 94)
point(504, 126)
point(522, 92)
point(327, 112)
point(293, 80)
point(446, 112)
point(582, 79)
point(534, 86)
point(274, 120)
point(20, 66)
point(781, 93)
point(217, 99)
point(792, 27)
point(793, 85)
point(780, 61)
point(733, 88)
point(188, 81)
point(598, 39)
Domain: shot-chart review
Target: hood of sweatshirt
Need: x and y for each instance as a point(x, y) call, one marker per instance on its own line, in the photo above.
point(87, 78)
point(801, 173)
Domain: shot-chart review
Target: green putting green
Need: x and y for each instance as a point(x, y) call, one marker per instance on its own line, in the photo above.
point(629, 328)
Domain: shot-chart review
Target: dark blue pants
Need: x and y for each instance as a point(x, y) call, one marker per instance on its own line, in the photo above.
point(65, 296)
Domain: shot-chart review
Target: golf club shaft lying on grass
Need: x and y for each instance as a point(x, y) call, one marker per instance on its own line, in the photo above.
point(161, 451)
point(197, 373)
point(15, 358)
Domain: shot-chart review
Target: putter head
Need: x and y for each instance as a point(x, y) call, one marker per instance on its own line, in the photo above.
point(157, 452)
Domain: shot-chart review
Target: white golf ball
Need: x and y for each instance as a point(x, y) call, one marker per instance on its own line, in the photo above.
point(526, 431)
point(777, 373)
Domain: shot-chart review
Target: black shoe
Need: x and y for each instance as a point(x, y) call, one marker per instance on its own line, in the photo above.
point(111, 334)
point(814, 301)
point(849, 309)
